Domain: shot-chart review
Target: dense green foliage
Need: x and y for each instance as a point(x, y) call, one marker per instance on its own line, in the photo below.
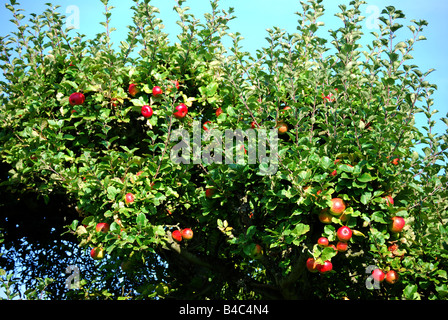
point(352, 102)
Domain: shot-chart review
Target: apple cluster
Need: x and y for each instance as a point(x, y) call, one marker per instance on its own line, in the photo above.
point(344, 234)
point(186, 234)
point(97, 253)
point(180, 111)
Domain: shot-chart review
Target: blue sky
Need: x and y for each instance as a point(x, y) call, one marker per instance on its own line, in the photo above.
point(255, 16)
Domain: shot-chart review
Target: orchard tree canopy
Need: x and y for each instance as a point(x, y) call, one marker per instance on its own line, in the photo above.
point(261, 155)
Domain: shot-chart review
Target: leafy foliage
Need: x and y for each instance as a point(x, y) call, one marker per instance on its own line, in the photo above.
point(351, 114)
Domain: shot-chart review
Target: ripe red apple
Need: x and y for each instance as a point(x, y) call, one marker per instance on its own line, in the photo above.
point(378, 275)
point(181, 111)
point(324, 216)
point(187, 233)
point(311, 265)
point(218, 111)
point(76, 98)
point(209, 192)
point(176, 234)
point(337, 206)
point(326, 267)
point(156, 91)
point(342, 246)
point(323, 241)
point(129, 198)
point(391, 277)
point(97, 253)
point(102, 227)
point(397, 224)
point(395, 161)
point(389, 200)
point(147, 111)
point(253, 124)
point(344, 233)
point(334, 173)
point(133, 90)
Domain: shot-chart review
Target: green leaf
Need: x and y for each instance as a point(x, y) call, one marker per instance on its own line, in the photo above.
point(326, 162)
point(212, 88)
point(410, 292)
point(112, 192)
point(301, 229)
point(379, 216)
point(442, 290)
point(365, 177)
point(365, 197)
point(328, 253)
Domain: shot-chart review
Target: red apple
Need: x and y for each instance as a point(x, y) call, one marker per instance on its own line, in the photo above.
point(378, 275)
point(326, 267)
point(181, 111)
point(146, 111)
point(187, 233)
point(391, 277)
point(156, 91)
point(311, 265)
point(337, 206)
point(344, 233)
point(176, 234)
point(253, 124)
point(102, 227)
point(133, 90)
point(323, 241)
point(218, 111)
point(76, 98)
point(395, 161)
point(392, 248)
point(97, 253)
point(342, 246)
point(389, 200)
point(129, 198)
point(397, 224)
point(334, 173)
point(324, 216)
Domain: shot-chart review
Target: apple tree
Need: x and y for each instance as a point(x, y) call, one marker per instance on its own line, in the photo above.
point(117, 130)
